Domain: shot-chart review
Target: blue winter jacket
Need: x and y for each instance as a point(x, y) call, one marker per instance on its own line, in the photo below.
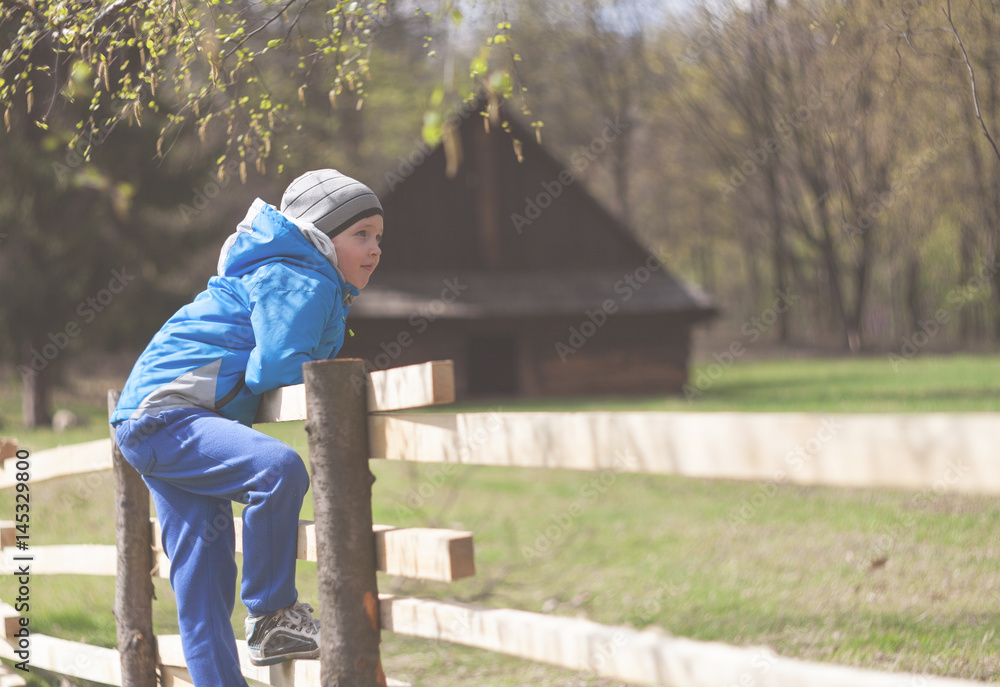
point(278, 304)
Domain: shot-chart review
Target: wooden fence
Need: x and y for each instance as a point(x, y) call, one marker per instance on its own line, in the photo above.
point(347, 424)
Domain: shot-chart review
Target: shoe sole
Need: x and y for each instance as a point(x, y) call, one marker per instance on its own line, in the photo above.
point(302, 655)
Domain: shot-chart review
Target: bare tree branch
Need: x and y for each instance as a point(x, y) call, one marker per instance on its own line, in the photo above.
point(262, 27)
point(972, 79)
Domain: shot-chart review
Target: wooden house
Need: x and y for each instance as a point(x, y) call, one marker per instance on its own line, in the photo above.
point(512, 269)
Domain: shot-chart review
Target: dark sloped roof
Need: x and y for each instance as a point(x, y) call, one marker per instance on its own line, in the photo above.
point(464, 295)
point(565, 255)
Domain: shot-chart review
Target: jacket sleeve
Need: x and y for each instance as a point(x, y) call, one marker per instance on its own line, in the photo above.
point(288, 327)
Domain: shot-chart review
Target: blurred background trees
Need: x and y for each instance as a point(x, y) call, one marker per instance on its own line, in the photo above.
point(826, 151)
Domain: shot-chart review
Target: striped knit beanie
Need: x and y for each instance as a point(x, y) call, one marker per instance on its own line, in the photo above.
point(329, 200)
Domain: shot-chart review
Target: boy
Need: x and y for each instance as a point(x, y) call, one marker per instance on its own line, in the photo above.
point(286, 281)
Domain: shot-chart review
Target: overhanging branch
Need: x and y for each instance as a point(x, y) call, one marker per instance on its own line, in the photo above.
point(25, 7)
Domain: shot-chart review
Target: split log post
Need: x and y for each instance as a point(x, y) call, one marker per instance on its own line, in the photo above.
point(337, 430)
point(133, 608)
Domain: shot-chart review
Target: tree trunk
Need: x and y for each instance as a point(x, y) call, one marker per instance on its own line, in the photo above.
point(762, 66)
point(620, 149)
point(337, 429)
point(990, 85)
point(967, 252)
point(133, 608)
point(983, 193)
point(862, 272)
point(749, 255)
point(829, 257)
point(36, 402)
point(913, 291)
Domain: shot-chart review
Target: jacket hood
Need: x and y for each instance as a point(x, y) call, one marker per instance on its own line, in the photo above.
point(265, 236)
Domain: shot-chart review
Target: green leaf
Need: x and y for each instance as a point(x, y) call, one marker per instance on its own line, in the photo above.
point(433, 127)
point(437, 96)
point(478, 66)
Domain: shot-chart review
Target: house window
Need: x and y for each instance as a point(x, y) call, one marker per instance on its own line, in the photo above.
point(492, 365)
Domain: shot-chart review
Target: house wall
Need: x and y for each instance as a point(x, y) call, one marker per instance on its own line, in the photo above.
point(549, 357)
point(628, 355)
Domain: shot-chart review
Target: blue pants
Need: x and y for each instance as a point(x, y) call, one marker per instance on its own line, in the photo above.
point(196, 463)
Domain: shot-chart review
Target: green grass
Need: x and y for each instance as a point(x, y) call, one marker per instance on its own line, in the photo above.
point(883, 579)
point(964, 383)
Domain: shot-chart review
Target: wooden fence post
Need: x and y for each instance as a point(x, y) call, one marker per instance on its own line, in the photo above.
point(133, 609)
point(337, 429)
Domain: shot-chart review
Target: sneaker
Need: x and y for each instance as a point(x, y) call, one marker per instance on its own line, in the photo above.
point(283, 635)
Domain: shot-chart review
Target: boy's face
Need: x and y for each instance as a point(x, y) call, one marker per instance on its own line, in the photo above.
point(358, 250)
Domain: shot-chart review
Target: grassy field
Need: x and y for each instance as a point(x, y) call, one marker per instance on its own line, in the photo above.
point(883, 579)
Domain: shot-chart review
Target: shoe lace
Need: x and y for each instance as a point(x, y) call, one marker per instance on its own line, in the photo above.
point(298, 616)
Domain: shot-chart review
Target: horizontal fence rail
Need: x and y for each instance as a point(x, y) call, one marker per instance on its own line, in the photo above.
point(923, 451)
point(99, 664)
point(72, 659)
point(63, 461)
point(420, 553)
point(622, 653)
point(413, 386)
point(286, 674)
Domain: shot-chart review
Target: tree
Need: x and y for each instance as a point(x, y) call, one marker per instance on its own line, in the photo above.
point(203, 63)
